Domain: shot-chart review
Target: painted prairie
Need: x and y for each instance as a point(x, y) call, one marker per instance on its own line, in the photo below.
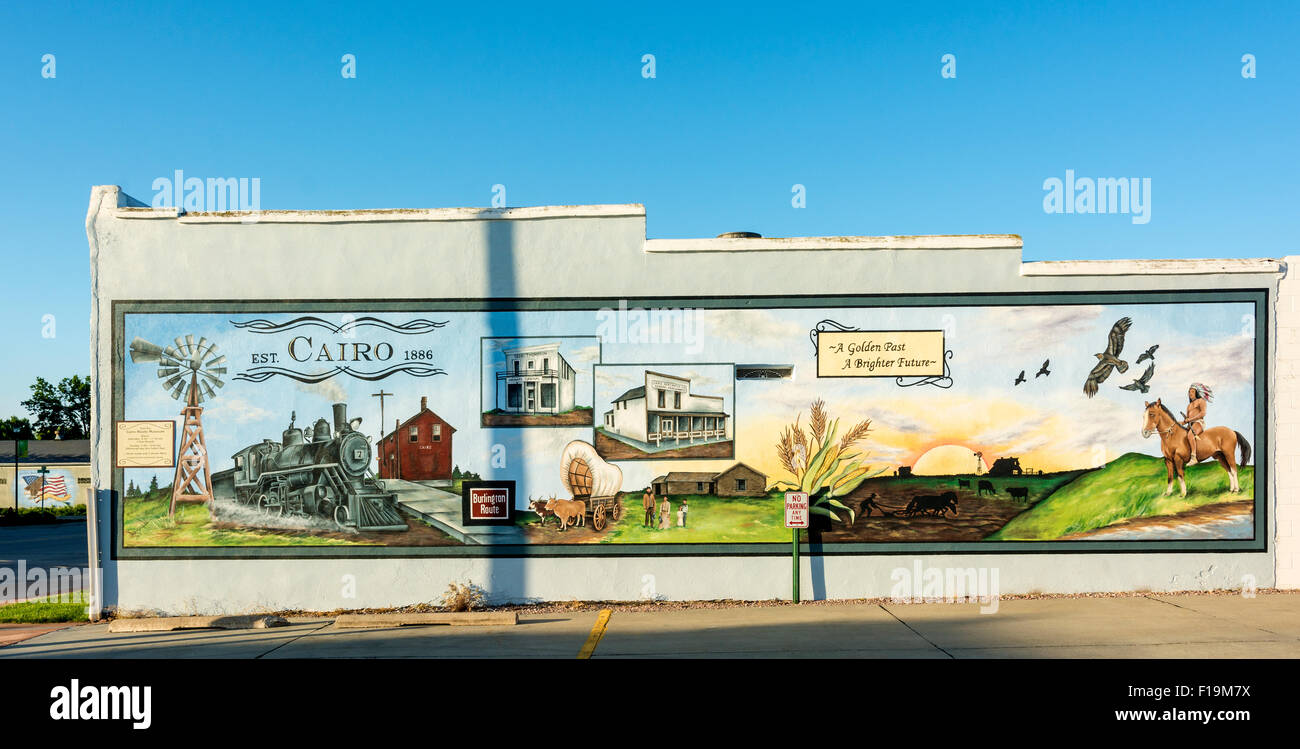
point(1131, 486)
point(977, 516)
point(146, 524)
point(710, 520)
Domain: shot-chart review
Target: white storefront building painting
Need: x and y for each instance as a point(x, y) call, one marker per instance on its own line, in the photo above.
point(535, 380)
point(665, 410)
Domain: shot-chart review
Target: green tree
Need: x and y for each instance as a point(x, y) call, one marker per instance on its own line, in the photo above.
point(131, 491)
point(61, 410)
point(153, 484)
point(16, 428)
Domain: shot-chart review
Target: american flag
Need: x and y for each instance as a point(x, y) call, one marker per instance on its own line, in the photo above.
point(55, 488)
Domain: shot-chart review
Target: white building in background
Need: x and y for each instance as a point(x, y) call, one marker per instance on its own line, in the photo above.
point(665, 410)
point(535, 380)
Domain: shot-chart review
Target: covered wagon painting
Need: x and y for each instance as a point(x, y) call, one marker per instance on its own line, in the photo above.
point(592, 480)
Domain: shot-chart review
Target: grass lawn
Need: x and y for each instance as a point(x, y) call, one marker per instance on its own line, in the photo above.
point(710, 520)
point(1132, 486)
point(71, 608)
point(145, 523)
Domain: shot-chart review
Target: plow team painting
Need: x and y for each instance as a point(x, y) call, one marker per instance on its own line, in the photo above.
point(1093, 423)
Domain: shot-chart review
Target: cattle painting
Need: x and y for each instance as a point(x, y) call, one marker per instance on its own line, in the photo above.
point(568, 511)
point(538, 506)
point(932, 504)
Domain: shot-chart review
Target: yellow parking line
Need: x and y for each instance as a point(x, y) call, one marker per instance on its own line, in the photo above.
point(597, 631)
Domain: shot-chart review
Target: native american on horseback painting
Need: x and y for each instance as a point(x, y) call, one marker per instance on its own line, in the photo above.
point(1188, 442)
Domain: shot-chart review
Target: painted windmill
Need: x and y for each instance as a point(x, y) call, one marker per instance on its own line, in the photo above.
point(187, 371)
point(979, 462)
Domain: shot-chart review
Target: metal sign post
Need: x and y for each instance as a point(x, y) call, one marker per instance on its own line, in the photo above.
point(796, 517)
point(43, 472)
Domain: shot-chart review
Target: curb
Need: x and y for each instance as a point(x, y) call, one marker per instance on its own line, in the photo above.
point(170, 623)
point(466, 619)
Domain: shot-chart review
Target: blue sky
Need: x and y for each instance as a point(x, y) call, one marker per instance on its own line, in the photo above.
point(748, 100)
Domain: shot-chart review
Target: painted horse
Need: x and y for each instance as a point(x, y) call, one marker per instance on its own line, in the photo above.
point(1220, 443)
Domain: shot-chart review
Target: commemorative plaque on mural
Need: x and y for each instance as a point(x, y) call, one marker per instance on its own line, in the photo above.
point(598, 427)
point(145, 444)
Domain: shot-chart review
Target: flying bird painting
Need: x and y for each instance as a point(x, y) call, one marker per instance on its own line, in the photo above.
point(1021, 378)
point(1141, 382)
point(1109, 359)
point(1043, 370)
point(1148, 354)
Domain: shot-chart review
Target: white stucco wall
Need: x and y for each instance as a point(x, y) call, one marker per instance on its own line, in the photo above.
point(1286, 409)
point(602, 252)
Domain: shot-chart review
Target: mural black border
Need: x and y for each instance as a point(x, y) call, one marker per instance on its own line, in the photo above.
point(1259, 296)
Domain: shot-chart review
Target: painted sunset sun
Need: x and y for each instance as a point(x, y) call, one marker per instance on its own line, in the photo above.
point(949, 460)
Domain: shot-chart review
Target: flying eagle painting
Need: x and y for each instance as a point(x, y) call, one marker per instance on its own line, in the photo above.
point(1110, 360)
point(1141, 383)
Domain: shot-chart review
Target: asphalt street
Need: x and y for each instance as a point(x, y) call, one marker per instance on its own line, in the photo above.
point(1138, 626)
point(61, 544)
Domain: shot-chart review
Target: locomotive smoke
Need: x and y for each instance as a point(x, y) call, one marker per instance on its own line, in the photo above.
point(230, 511)
point(329, 390)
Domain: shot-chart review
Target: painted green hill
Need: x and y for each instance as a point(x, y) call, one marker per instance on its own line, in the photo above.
point(1131, 486)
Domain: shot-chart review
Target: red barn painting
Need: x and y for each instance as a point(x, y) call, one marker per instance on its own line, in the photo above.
point(419, 449)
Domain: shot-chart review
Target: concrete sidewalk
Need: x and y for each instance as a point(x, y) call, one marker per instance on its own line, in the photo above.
point(1150, 626)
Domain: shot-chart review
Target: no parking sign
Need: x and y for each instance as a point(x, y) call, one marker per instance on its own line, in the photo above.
point(796, 509)
point(796, 517)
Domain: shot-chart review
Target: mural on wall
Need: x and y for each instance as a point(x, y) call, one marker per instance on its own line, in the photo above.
point(52, 487)
point(1089, 423)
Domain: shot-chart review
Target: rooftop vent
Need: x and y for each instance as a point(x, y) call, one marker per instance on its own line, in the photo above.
point(740, 235)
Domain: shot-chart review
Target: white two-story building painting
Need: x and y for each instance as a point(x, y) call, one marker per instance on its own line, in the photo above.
point(534, 386)
point(664, 412)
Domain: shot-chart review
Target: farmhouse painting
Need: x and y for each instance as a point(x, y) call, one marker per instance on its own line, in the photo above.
point(1086, 423)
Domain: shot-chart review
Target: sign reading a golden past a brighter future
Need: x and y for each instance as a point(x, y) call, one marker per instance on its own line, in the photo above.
point(877, 353)
point(1010, 422)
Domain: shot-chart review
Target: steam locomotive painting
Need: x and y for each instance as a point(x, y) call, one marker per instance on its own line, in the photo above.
point(321, 472)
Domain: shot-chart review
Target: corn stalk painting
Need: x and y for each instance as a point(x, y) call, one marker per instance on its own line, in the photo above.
point(827, 470)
